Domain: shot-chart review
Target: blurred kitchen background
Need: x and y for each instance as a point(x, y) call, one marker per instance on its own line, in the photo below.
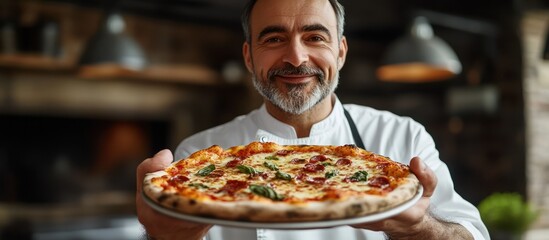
point(89, 88)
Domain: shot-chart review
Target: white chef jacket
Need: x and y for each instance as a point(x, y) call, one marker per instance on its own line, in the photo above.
point(399, 138)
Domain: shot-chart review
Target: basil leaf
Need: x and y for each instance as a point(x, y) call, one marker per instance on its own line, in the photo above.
point(198, 185)
point(247, 169)
point(360, 176)
point(326, 164)
point(283, 176)
point(206, 170)
point(273, 157)
point(270, 165)
point(331, 174)
point(266, 191)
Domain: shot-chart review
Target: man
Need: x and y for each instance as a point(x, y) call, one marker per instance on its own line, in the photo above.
point(294, 50)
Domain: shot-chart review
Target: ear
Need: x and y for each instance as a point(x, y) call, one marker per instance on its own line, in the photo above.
point(343, 48)
point(246, 53)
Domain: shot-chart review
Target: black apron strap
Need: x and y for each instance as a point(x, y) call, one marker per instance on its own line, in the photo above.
point(354, 131)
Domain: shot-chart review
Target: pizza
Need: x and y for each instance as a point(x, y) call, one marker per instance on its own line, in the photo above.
point(268, 182)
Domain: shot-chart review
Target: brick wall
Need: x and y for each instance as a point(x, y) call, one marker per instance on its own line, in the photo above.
point(536, 99)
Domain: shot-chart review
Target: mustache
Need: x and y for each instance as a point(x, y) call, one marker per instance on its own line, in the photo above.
point(289, 69)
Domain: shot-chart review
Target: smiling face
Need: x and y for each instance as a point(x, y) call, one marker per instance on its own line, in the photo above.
point(294, 54)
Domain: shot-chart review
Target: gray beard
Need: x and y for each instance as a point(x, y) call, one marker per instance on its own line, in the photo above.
point(297, 100)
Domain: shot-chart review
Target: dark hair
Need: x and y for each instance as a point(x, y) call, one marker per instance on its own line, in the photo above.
point(245, 18)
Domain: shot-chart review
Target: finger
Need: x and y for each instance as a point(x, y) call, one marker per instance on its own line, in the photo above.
point(159, 161)
point(425, 175)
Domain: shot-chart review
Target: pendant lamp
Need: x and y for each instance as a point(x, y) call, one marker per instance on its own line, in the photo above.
point(419, 57)
point(112, 46)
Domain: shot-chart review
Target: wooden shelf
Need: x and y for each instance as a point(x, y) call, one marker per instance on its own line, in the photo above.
point(196, 75)
point(34, 62)
point(187, 74)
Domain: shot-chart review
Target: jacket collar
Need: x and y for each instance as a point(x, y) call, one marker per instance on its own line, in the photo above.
point(271, 128)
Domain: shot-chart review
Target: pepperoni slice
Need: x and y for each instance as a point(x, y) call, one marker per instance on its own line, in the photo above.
point(343, 162)
point(177, 180)
point(313, 167)
point(216, 173)
point(283, 152)
point(233, 163)
point(232, 186)
point(302, 177)
point(379, 182)
point(318, 158)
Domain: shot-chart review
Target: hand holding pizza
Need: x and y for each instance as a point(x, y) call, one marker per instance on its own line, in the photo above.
point(416, 222)
point(158, 225)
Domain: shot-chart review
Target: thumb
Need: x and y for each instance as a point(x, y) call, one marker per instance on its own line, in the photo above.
point(425, 175)
point(158, 162)
point(162, 159)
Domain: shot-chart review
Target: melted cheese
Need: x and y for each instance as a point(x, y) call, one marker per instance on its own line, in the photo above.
point(297, 189)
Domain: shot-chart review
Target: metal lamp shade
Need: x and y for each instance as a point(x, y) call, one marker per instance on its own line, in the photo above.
point(419, 57)
point(111, 46)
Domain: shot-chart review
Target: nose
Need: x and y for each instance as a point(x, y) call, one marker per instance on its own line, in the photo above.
point(296, 53)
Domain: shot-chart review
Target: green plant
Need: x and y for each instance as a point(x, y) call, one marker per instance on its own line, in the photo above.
point(507, 212)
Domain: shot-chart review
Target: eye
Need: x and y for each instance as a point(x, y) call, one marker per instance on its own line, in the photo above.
point(273, 40)
point(316, 38)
